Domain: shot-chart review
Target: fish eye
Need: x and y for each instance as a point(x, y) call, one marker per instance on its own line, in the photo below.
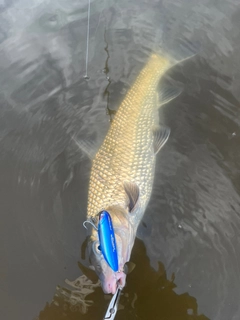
point(96, 247)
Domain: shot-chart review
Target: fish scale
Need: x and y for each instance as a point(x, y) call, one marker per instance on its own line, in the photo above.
point(127, 152)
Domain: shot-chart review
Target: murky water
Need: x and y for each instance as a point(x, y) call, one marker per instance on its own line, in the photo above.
point(188, 264)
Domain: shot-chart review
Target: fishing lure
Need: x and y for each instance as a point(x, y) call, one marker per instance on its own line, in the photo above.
point(107, 240)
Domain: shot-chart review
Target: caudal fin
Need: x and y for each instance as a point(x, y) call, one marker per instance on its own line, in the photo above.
point(180, 50)
point(185, 49)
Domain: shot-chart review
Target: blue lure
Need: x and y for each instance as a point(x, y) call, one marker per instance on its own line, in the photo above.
point(107, 240)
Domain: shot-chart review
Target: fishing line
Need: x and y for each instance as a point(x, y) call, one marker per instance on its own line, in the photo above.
point(110, 112)
point(87, 49)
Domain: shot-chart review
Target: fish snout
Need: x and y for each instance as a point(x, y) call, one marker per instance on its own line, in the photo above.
point(109, 285)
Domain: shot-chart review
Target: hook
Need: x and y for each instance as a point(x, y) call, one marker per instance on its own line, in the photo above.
point(91, 222)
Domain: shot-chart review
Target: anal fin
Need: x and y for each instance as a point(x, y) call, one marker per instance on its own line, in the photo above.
point(87, 147)
point(160, 136)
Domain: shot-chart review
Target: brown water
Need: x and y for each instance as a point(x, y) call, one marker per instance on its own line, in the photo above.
point(187, 261)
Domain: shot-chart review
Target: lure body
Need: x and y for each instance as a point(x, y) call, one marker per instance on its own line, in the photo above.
point(107, 240)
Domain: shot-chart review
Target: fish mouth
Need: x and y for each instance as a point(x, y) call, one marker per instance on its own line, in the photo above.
point(121, 276)
point(111, 283)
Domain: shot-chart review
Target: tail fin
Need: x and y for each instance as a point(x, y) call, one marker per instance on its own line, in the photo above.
point(180, 50)
point(171, 37)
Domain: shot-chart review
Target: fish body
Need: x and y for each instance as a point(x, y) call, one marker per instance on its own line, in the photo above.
point(122, 172)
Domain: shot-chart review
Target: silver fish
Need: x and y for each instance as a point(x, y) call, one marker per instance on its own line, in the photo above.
point(123, 169)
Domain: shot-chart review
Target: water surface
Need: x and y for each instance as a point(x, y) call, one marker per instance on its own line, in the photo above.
point(187, 259)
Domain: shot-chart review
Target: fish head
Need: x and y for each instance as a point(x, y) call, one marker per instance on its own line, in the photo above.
point(109, 278)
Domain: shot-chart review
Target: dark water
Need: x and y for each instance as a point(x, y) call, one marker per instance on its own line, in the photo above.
point(187, 254)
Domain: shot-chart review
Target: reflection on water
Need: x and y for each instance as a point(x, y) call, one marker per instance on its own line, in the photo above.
point(154, 296)
point(192, 222)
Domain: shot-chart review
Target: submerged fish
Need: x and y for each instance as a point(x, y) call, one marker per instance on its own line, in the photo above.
point(123, 169)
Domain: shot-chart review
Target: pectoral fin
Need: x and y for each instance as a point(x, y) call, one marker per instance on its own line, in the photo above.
point(129, 267)
point(89, 272)
point(132, 191)
point(160, 136)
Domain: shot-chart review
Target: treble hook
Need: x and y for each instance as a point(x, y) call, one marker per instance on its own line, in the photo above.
point(91, 222)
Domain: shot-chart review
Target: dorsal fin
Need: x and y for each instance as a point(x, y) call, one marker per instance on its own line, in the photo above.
point(168, 93)
point(160, 136)
point(132, 191)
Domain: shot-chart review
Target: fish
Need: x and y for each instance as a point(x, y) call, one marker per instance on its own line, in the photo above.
point(122, 171)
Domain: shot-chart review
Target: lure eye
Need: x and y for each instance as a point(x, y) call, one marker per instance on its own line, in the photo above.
point(96, 247)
